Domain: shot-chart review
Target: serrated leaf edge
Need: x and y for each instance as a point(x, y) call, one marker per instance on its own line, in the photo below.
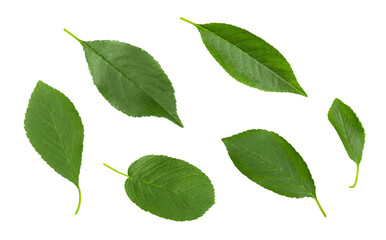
point(275, 134)
point(338, 101)
point(25, 117)
point(175, 119)
point(200, 215)
point(297, 91)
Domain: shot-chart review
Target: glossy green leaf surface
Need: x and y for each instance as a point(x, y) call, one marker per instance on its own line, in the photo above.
point(349, 129)
point(130, 79)
point(248, 58)
point(169, 188)
point(270, 161)
point(55, 130)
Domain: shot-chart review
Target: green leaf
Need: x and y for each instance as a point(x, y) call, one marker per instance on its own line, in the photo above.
point(248, 58)
point(55, 130)
point(270, 161)
point(169, 188)
point(350, 131)
point(130, 79)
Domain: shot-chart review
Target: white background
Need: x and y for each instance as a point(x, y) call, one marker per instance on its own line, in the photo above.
point(336, 49)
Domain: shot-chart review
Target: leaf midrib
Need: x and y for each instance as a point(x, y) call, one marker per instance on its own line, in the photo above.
point(171, 200)
point(345, 130)
point(163, 188)
point(68, 159)
point(279, 77)
point(117, 69)
point(300, 184)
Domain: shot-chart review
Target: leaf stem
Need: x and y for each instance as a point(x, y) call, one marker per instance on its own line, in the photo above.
point(104, 164)
point(320, 207)
point(80, 200)
point(186, 20)
point(72, 35)
point(356, 178)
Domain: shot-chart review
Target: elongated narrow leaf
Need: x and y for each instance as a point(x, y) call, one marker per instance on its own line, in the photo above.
point(130, 79)
point(270, 161)
point(349, 129)
point(169, 188)
point(248, 58)
point(55, 130)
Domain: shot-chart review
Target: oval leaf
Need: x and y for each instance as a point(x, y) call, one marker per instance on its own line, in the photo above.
point(169, 188)
point(270, 161)
point(55, 130)
point(130, 79)
point(349, 129)
point(248, 58)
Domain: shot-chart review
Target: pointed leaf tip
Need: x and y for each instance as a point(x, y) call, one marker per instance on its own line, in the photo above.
point(269, 160)
point(49, 117)
point(248, 58)
point(350, 131)
point(130, 79)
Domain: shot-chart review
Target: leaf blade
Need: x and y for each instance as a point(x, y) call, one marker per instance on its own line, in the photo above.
point(248, 58)
point(54, 128)
point(270, 161)
point(265, 161)
point(130, 79)
point(349, 129)
point(169, 188)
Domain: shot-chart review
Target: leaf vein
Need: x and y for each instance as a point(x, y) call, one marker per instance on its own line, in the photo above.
point(274, 73)
point(300, 184)
point(127, 77)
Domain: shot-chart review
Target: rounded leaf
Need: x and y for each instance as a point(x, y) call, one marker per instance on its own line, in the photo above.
point(169, 188)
